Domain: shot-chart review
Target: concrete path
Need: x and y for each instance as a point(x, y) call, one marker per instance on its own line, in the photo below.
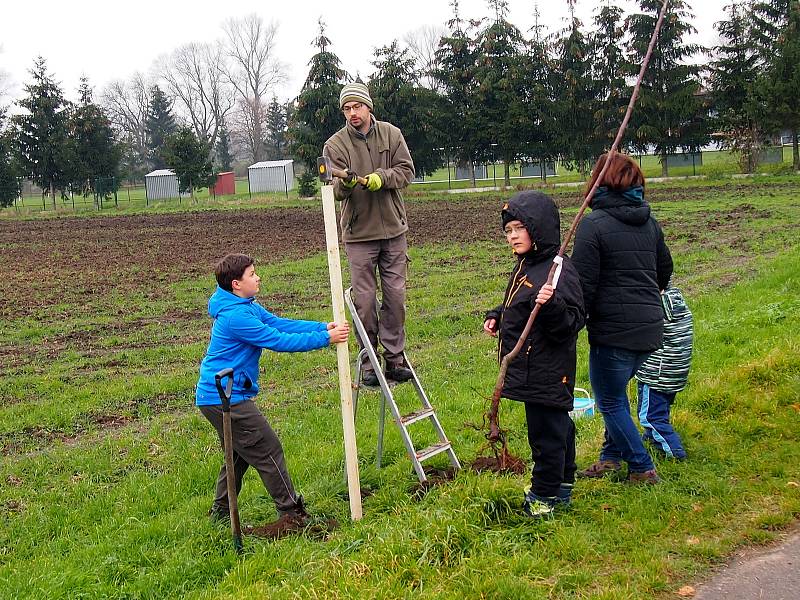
point(770, 574)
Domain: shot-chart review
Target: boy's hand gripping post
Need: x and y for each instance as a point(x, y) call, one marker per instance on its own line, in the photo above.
point(227, 439)
point(495, 434)
point(326, 175)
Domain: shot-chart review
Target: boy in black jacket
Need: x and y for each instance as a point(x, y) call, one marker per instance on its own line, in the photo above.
point(543, 373)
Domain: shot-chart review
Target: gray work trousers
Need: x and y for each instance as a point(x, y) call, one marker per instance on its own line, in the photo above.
point(254, 444)
point(387, 323)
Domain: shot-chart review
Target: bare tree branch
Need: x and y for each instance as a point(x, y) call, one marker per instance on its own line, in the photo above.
point(125, 103)
point(254, 70)
point(195, 75)
point(5, 82)
point(423, 43)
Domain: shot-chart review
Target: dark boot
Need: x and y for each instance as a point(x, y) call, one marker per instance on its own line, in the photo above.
point(398, 372)
point(219, 514)
point(369, 378)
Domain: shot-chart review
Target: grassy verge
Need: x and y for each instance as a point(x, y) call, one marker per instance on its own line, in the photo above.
point(108, 469)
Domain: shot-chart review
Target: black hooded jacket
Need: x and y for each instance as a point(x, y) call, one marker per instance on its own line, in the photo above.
point(544, 370)
point(624, 264)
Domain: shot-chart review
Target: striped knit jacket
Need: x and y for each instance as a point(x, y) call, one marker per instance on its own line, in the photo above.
point(667, 369)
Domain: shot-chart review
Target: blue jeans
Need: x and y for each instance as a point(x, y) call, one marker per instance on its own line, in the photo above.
point(610, 370)
point(654, 409)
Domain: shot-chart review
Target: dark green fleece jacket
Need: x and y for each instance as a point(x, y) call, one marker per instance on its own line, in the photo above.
point(366, 215)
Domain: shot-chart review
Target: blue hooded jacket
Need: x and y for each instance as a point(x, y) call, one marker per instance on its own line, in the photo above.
point(242, 329)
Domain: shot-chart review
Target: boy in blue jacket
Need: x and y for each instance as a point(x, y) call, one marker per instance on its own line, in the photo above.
point(242, 329)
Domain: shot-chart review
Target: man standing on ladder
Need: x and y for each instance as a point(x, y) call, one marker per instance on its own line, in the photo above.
point(374, 224)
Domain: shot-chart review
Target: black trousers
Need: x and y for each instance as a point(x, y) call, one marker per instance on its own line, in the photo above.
point(551, 435)
point(254, 444)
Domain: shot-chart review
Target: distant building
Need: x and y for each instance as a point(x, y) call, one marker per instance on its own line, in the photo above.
point(271, 176)
point(162, 183)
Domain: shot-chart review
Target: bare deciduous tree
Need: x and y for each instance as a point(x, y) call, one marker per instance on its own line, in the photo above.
point(5, 82)
point(195, 75)
point(423, 43)
point(126, 103)
point(254, 70)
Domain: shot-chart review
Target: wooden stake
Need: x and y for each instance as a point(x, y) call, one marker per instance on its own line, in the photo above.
point(342, 353)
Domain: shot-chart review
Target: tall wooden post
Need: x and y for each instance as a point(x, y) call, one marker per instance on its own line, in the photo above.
point(342, 353)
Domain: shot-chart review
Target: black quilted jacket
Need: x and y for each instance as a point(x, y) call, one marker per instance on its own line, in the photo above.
point(623, 264)
point(544, 371)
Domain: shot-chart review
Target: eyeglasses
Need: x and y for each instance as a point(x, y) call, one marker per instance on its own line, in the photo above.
point(511, 230)
point(355, 107)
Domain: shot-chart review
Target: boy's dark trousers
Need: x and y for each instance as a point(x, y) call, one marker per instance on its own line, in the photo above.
point(551, 435)
point(254, 444)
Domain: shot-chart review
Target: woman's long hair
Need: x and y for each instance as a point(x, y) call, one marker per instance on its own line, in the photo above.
point(622, 174)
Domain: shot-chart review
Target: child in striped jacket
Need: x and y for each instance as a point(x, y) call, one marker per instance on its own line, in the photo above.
point(664, 374)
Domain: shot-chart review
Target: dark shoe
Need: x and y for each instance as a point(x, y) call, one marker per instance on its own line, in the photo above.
point(645, 477)
point(600, 469)
point(218, 514)
point(399, 373)
point(369, 378)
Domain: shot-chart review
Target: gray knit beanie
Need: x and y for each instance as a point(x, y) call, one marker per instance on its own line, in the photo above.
point(355, 92)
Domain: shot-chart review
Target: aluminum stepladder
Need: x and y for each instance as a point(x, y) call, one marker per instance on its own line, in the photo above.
point(402, 421)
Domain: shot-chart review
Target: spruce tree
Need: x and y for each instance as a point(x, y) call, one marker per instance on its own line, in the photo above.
point(316, 115)
point(608, 73)
point(544, 132)
point(457, 58)
point(95, 153)
point(670, 113)
point(43, 149)
point(576, 95)
point(9, 173)
point(501, 72)
point(160, 124)
point(398, 98)
point(223, 150)
point(276, 125)
point(732, 78)
point(768, 19)
point(188, 157)
point(776, 28)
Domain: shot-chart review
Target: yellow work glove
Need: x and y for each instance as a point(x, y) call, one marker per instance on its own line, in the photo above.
point(374, 182)
point(351, 180)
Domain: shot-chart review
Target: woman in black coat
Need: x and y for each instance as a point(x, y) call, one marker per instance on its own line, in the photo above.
point(623, 264)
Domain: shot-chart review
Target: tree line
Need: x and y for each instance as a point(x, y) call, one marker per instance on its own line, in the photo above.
point(474, 90)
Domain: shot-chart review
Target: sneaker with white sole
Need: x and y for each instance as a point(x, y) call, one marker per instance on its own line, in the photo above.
point(539, 507)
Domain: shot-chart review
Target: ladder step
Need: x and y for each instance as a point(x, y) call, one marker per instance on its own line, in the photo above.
point(417, 415)
point(433, 450)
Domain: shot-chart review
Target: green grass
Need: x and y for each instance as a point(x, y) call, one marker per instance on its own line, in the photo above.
point(108, 469)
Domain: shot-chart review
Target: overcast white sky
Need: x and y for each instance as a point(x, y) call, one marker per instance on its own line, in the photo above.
point(111, 40)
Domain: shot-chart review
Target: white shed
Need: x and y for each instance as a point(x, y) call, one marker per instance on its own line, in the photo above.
point(161, 183)
point(271, 176)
